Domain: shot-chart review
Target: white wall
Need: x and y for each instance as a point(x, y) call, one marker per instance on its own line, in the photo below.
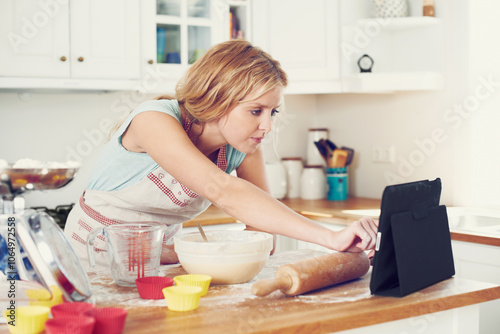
point(484, 148)
point(59, 127)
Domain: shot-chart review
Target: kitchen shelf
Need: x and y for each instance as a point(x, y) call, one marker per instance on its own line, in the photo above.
point(400, 23)
point(241, 9)
point(54, 84)
point(408, 52)
point(392, 82)
point(196, 21)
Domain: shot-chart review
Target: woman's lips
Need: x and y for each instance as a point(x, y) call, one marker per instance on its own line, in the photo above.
point(257, 139)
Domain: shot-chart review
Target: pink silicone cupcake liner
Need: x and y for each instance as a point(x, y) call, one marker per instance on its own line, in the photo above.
point(70, 324)
point(71, 308)
point(108, 320)
point(151, 287)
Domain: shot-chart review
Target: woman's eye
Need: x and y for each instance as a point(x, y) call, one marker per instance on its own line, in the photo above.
point(258, 112)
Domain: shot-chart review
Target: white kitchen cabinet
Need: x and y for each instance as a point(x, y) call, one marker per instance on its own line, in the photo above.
point(176, 33)
point(304, 37)
point(88, 44)
point(408, 52)
point(481, 263)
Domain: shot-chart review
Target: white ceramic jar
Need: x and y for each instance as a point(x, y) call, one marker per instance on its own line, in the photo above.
point(313, 155)
point(391, 8)
point(294, 168)
point(276, 175)
point(313, 182)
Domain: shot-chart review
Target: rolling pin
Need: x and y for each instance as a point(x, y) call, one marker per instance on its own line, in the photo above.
point(315, 273)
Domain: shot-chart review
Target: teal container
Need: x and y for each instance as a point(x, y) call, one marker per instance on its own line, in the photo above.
point(337, 184)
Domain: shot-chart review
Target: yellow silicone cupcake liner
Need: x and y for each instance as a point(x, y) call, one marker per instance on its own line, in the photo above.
point(203, 281)
point(27, 319)
point(42, 297)
point(182, 298)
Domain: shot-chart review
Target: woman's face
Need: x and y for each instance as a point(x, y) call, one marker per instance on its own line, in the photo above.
point(246, 125)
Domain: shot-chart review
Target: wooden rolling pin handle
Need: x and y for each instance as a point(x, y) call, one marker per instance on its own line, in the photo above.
point(266, 286)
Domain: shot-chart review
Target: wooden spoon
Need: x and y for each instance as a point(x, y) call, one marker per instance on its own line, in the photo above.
point(202, 232)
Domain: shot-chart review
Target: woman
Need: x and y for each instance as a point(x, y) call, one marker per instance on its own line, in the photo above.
point(171, 158)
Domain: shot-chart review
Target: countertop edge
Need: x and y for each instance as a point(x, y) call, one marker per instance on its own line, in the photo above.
point(399, 311)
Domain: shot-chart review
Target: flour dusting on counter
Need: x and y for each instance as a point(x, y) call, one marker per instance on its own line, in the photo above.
point(107, 293)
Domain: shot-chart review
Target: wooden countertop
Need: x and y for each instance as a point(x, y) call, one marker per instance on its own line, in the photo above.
point(309, 208)
point(337, 212)
point(233, 309)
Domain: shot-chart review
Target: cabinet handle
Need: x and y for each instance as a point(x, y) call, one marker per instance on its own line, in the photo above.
point(63, 58)
point(150, 61)
point(80, 59)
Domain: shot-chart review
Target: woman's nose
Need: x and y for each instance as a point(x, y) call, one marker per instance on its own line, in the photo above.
point(266, 123)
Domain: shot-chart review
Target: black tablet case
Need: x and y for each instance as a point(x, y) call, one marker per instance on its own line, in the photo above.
point(413, 244)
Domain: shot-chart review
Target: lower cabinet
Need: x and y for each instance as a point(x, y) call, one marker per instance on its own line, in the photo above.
point(480, 263)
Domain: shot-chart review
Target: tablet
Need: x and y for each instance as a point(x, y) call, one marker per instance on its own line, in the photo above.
point(413, 248)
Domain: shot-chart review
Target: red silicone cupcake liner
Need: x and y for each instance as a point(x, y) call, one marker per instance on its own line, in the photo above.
point(70, 324)
point(151, 287)
point(108, 320)
point(71, 308)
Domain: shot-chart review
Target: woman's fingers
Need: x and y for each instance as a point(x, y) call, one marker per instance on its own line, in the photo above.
point(366, 229)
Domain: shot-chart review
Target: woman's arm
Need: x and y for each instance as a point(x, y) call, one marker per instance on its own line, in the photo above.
point(164, 139)
point(253, 170)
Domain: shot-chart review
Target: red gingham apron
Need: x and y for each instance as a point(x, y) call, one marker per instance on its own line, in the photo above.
point(158, 197)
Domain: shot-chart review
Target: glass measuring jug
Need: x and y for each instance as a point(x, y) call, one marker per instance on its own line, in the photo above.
point(134, 249)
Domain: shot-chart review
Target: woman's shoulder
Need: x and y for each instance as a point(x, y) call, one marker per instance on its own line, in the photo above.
point(170, 107)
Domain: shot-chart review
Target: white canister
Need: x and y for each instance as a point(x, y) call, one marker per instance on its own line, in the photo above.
point(313, 182)
point(390, 8)
point(276, 174)
point(294, 168)
point(313, 155)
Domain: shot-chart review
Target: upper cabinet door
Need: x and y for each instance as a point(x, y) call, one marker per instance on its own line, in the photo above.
point(34, 38)
point(105, 39)
point(175, 33)
point(304, 37)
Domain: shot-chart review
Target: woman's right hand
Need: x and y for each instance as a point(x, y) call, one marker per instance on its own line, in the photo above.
point(360, 236)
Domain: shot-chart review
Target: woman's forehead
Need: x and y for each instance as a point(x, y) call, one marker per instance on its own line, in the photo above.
point(270, 99)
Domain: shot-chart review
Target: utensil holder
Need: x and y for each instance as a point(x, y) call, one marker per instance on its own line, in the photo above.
point(337, 184)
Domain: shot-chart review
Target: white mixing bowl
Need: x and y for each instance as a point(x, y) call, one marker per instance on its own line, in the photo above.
point(228, 257)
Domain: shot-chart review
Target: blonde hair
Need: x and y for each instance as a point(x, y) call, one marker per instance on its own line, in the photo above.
point(227, 74)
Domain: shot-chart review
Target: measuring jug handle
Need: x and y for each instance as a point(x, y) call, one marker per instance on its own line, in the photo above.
point(90, 245)
point(170, 230)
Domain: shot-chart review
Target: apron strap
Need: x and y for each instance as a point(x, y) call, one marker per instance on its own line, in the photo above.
point(221, 156)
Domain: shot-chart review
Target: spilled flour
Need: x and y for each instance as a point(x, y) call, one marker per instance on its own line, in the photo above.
point(107, 293)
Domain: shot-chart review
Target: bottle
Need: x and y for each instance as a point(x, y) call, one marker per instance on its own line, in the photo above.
point(429, 8)
point(294, 168)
